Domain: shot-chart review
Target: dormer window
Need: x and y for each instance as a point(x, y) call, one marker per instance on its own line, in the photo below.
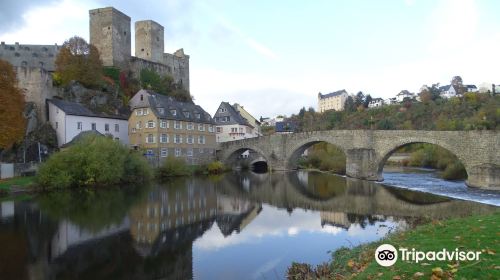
point(187, 114)
point(161, 111)
point(197, 115)
point(173, 112)
point(222, 110)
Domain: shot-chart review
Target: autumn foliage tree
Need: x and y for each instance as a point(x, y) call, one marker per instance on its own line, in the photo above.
point(13, 123)
point(79, 61)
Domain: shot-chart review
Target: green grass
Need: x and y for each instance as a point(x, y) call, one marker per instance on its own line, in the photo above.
point(17, 181)
point(477, 233)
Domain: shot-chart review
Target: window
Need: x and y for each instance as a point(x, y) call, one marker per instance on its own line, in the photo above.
point(190, 139)
point(150, 152)
point(142, 97)
point(210, 128)
point(201, 139)
point(189, 152)
point(150, 138)
point(201, 127)
point(134, 130)
point(138, 112)
point(106, 127)
point(117, 127)
point(161, 111)
point(173, 112)
point(163, 124)
point(178, 152)
point(164, 152)
point(187, 114)
point(94, 126)
point(57, 125)
point(178, 139)
point(189, 126)
point(164, 138)
point(138, 125)
point(222, 110)
point(197, 115)
point(79, 125)
point(241, 129)
point(234, 129)
point(146, 111)
point(219, 129)
point(151, 124)
point(201, 150)
point(177, 125)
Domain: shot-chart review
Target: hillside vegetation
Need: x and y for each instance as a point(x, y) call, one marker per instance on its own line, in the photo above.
point(473, 111)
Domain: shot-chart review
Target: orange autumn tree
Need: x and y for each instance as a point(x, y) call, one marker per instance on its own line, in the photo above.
point(78, 60)
point(13, 123)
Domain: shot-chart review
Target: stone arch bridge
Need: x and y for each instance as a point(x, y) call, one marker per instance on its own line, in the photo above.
point(367, 150)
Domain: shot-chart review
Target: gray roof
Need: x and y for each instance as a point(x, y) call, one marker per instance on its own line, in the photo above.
point(332, 94)
point(232, 113)
point(77, 109)
point(470, 86)
point(185, 111)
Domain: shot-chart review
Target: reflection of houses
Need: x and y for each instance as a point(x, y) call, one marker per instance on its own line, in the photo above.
point(336, 219)
point(235, 214)
point(69, 234)
point(171, 209)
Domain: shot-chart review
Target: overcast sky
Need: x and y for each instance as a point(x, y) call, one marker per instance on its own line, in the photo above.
point(273, 57)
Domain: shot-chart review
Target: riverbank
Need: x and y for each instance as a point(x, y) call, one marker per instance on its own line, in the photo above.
point(476, 233)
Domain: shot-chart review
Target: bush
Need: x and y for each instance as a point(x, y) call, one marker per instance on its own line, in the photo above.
point(93, 161)
point(216, 167)
point(173, 167)
point(454, 171)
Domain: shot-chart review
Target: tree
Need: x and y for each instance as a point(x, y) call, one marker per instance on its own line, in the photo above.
point(79, 61)
point(13, 124)
point(458, 84)
point(302, 112)
point(349, 104)
point(359, 99)
point(367, 101)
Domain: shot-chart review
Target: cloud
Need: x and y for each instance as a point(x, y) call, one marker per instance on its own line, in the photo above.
point(67, 17)
point(231, 27)
point(11, 12)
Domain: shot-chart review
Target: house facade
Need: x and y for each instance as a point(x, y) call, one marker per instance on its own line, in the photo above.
point(231, 125)
point(160, 126)
point(332, 101)
point(400, 97)
point(69, 119)
point(250, 119)
point(376, 102)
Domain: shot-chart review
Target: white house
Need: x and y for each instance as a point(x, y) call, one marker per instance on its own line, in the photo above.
point(69, 119)
point(231, 125)
point(391, 100)
point(471, 88)
point(400, 97)
point(376, 102)
point(448, 91)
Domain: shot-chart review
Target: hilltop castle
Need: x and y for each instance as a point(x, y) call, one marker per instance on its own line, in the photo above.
point(110, 32)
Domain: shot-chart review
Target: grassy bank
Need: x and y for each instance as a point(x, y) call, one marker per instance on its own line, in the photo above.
point(177, 167)
point(477, 233)
point(8, 185)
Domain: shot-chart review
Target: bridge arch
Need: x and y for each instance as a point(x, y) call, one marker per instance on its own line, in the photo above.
point(238, 157)
point(386, 152)
point(300, 147)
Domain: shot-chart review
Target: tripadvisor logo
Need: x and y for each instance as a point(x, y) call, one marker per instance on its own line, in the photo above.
point(387, 255)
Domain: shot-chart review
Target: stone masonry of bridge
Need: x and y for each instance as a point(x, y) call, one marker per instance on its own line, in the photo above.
point(367, 150)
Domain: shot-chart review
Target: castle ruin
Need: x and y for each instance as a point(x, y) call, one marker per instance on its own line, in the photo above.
point(110, 32)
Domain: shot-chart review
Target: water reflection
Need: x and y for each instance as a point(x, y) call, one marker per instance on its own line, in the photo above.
point(240, 225)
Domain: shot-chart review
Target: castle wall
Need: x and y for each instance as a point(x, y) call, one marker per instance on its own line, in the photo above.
point(36, 84)
point(42, 56)
point(149, 40)
point(110, 33)
point(177, 67)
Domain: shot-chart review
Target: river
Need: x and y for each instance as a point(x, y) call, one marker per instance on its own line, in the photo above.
point(235, 226)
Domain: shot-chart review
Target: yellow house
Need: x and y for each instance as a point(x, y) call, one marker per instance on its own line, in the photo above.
point(332, 101)
point(160, 126)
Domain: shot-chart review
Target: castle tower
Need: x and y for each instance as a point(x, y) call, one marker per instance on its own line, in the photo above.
point(110, 33)
point(149, 44)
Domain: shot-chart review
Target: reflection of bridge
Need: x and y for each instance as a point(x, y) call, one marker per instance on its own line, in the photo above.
point(368, 150)
point(347, 195)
